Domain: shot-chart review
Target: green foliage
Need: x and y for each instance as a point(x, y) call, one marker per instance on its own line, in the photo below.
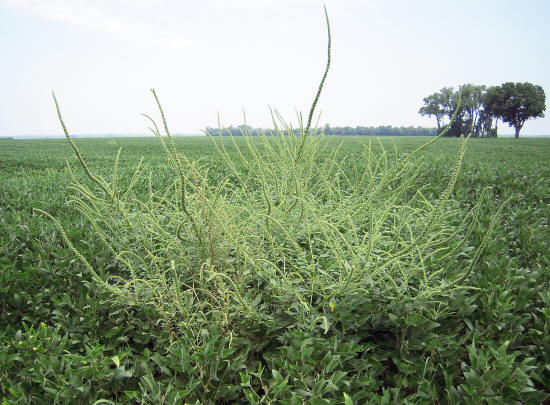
point(292, 235)
point(309, 239)
point(404, 357)
point(515, 103)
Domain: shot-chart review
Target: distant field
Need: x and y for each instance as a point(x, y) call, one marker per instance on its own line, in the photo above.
point(498, 163)
point(64, 339)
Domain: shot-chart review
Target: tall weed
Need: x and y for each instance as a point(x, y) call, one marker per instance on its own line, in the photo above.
point(295, 235)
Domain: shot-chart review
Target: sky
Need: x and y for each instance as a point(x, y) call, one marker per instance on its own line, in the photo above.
point(237, 58)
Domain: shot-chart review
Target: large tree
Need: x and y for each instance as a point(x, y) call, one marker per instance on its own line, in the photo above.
point(515, 103)
point(432, 106)
point(440, 104)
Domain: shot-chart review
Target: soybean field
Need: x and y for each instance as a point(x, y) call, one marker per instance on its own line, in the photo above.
point(275, 269)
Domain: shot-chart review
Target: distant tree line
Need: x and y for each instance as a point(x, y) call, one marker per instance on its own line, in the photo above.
point(482, 106)
point(386, 130)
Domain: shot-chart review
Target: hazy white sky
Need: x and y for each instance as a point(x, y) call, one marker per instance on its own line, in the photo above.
point(204, 57)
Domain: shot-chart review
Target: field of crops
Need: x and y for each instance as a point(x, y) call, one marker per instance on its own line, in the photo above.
point(275, 278)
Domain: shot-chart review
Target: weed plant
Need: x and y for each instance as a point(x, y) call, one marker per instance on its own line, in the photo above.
point(296, 243)
point(285, 228)
point(290, 236)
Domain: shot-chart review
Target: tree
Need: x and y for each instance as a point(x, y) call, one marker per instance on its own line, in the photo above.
point(472, 104)
point(492, 104)
point(448, 98)
point(515, 103)
point(433, 107)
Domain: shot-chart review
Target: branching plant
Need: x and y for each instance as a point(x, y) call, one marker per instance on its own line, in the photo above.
point(296, 233)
